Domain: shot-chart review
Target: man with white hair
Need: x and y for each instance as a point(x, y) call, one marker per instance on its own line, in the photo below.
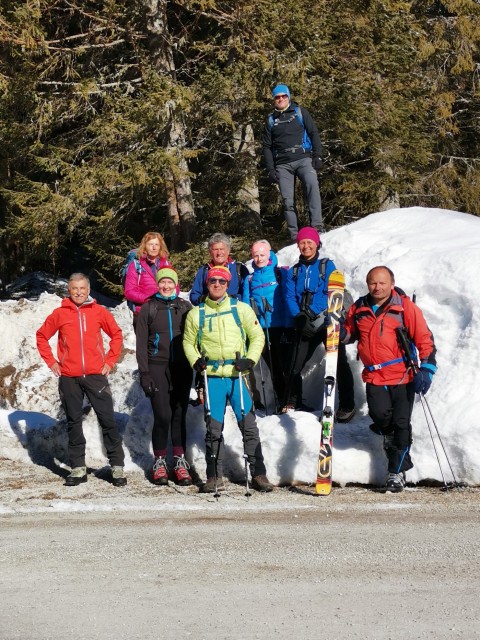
point(82, 367)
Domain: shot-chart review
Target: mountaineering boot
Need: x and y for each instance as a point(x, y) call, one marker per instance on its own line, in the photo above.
point(395, 482)
point(182, 477)
point(160, 471)
point(209, 485)
point(344, 415)
point(261, 483)
point(76, 477)
point(118, 477)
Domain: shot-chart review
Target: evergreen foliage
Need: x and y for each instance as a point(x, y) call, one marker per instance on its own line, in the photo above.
point(118, 117)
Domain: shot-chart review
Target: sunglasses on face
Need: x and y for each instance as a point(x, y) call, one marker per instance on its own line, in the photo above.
point(219, 280)
point(281, 97)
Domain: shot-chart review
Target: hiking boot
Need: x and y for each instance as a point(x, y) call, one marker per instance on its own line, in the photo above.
point(182, 477)
point(261, 483)
point(76, 477)
point(160, 471)
point(118, 477)
point(344, 415)
point(395, 482)
point(209, 485)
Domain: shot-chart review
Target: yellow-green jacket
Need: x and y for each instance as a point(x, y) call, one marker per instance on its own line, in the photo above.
point(221, 337)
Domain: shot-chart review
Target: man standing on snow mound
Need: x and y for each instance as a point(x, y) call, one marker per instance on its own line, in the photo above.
point(82, 369)
point(374, 320)
point(215, 340)
point(291, 148)
point(306, 296)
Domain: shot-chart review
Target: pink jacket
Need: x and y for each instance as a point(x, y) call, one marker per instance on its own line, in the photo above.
point(139, 287)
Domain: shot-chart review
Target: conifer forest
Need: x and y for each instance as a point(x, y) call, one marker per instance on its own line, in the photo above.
point(123, 116)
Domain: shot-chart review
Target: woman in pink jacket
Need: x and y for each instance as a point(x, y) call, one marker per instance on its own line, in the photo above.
point(140, 283)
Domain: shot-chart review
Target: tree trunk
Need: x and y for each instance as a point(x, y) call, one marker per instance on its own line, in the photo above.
point(181, 212)
point(248, 195)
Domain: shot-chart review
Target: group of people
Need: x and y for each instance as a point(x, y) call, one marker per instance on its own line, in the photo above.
point(234, 316)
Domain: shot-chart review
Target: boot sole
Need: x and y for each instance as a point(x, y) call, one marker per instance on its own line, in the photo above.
point(74, 482)
point(119, 482)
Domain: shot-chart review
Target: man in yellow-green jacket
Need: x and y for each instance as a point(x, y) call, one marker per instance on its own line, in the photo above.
point(224, 339)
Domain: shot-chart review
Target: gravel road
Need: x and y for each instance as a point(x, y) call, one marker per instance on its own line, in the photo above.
point(152, 563)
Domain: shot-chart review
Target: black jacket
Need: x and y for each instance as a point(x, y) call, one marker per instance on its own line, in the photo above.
point(159, 332)
point(283, 142)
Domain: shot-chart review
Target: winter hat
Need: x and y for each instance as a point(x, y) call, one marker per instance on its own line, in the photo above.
point(167, 272)
point(309, 233)
point(219, 272)
point(280, 88)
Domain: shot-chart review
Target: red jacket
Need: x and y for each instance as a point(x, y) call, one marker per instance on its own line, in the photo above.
point(377, 338)
point(80, 349)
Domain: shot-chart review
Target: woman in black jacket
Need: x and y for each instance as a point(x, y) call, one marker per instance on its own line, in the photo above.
point(165, 374)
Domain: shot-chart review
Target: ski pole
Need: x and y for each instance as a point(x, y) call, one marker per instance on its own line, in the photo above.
point(254, 306)
point(413, 364)
point(293, 360)
point(208, 423)
point(266, 308)
point(242, 409)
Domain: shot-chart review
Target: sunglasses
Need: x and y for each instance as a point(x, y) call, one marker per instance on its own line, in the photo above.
point(281, 96)
point(215, 280)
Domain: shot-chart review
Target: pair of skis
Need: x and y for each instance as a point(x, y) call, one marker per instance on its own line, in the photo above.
point(336, 287)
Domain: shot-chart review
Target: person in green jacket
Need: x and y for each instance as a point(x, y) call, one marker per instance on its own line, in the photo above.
point(215, 341)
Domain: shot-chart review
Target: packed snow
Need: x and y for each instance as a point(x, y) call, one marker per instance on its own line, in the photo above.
point(434, 253)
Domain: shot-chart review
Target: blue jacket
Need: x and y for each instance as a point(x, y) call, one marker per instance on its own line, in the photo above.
point(307, 280)
point(263, 283)
point(199, 289)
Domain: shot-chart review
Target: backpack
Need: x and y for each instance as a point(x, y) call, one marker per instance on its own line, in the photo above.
point(201, 323)
point(131, 257)
point(306, 142)
point(401, 328)
point(322, 267)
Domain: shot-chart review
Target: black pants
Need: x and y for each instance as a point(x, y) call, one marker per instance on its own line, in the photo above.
point(277, 358)
point(303, 350)
point(170, 403)
point(97, 390)
point(390, 408)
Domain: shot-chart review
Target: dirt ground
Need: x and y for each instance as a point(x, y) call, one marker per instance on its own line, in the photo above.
point(151, 563)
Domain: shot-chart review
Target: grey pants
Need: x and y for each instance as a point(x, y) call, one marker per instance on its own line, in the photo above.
point(311, 192)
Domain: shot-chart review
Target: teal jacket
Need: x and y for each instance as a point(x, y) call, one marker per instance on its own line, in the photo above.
point(221, 338)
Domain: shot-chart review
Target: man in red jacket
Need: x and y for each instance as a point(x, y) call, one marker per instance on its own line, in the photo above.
point(82, 368)
point(374, 321)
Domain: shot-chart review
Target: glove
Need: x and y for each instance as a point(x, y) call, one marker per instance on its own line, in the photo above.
point(343, 331)
point(423, 378)
point(147, 384)
point(272, 177)
point(317, 163)
point(300, 320)
point(200, 365)
point(243, 364)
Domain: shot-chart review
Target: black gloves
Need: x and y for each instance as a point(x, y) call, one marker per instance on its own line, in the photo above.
point(300, 320)
point(317, 163)
point(243, 364)
point(200, 365)
point(147, 384)
point(272, 177)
